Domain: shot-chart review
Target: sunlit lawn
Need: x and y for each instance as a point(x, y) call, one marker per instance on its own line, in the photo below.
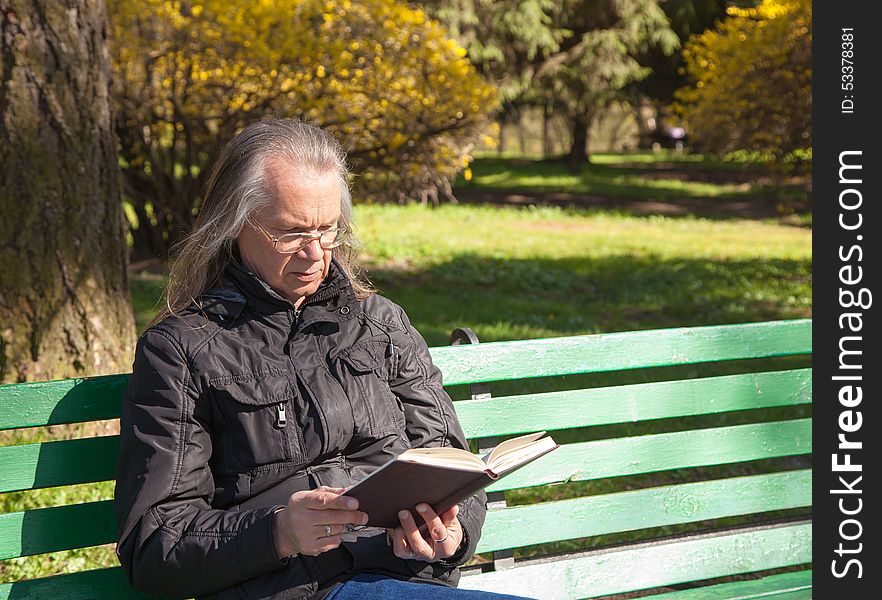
point(525, 273)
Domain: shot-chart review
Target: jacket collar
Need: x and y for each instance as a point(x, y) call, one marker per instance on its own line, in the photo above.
point(333, 301)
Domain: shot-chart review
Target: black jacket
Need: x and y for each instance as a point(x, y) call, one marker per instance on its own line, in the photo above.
point(234, 397)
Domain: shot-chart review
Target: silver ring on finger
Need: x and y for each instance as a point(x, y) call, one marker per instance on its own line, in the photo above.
point(444, 539)
point(327, 531)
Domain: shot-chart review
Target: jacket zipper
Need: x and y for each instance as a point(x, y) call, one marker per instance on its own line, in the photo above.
point(282, 420)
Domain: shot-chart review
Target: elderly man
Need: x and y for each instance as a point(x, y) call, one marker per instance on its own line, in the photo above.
point(274, 378)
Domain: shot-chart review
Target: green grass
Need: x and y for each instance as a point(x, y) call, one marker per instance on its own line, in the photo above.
point(513, 273)
point(668, 156)
point(526, 273)
point(147, 289)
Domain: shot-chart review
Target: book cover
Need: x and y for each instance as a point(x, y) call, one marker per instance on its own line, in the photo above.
point(406, 481)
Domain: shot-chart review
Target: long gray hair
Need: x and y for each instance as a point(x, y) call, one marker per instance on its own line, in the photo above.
point(239, 185)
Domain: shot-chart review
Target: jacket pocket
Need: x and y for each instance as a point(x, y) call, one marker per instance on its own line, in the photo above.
point(365, 371)
point(260, 424)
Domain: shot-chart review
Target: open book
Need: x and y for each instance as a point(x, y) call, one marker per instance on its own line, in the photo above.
point(440, 477)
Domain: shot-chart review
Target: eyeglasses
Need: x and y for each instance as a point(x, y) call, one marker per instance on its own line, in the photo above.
point(291, 243)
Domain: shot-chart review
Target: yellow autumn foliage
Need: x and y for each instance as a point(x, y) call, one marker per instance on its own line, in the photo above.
point(399, 94)
point(751, 79)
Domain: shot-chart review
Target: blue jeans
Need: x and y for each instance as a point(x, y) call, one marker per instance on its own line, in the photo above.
point(366, 586)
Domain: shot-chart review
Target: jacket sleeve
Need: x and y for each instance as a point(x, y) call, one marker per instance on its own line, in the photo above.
point(171, 542)
point(431, 421)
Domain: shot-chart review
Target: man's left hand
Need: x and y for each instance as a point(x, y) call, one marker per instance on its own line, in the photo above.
point(443, 536)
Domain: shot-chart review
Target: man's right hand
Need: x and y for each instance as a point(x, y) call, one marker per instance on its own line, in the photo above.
point(304, 525)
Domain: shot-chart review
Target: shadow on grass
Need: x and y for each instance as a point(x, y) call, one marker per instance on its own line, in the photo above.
point(671, 188)
point(506, 299)
point(707, 171)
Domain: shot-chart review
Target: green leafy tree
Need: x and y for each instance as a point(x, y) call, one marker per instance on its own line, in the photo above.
point(751, 81)
point(572, 56)
point(592, 69)
point(651, 97)
point(505, 41)
point(400, 95)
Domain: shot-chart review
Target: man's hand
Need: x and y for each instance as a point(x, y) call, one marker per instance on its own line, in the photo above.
point(313, 520)
point(443, 537)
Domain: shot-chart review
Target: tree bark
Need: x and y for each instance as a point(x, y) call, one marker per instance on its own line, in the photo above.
point(522, 134)
point(578, 157)
point(547, 114)
point(501, 147)
point(65, 306)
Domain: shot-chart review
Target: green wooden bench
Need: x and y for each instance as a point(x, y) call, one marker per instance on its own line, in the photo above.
point(668, 479)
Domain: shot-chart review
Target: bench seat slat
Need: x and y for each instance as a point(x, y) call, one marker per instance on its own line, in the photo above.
point(62, 401)
point(614, 572)
point(48, 464)
point(510, 415)
point(111, 584)
point(93, 523)
point(653, 507)
point(58, 528)
point(97, 584)
point(495, 361)
point(660, 452)
point(796, 585)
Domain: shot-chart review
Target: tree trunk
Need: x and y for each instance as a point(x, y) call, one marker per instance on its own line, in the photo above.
point(547, 113)
point(644, 129)
point(579, 150)
point(522, 134)
point(501, 147)
point(64, 299)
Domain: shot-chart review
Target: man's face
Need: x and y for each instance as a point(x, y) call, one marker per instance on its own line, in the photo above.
point(301, 204)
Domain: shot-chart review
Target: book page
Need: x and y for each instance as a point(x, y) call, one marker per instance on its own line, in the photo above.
point(453, 458)
point(518, 454)
point(512, 444)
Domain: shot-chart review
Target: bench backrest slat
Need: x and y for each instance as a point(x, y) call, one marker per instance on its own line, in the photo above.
point(606, 573)
point(793, 585)
point(652, 507)
point(510, 415)
point(498, 361)
point(79, 400)
point(65, 527)
point(58, 528)
point(86, 460)
point(62, 401)
point(617, 457)
point(48, 464)
point(98, 584)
